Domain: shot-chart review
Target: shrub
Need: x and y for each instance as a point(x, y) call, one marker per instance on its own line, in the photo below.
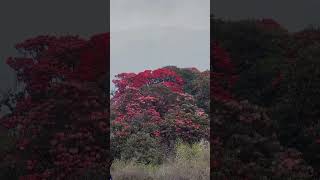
point(142, 148)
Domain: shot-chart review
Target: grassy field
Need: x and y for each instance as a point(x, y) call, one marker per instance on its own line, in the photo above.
point(190, 163)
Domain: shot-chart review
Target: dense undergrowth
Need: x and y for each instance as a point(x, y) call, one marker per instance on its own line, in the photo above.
point(189, 162)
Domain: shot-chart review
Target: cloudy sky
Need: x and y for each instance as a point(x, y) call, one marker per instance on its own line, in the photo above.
point(292, 14)
point(149, 34)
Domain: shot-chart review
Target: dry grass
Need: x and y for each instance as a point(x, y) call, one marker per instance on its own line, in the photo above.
point(190, 163)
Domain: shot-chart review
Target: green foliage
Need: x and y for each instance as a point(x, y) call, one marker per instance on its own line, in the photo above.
point(142, 148)
point(195, 151)
point(190, 162)
point(197, 84)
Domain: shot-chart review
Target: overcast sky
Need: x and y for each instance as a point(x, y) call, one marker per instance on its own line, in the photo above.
point(149, 34)
point(25, 19)
point(292, 14)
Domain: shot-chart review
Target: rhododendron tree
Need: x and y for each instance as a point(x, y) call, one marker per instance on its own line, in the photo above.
point(243, 137)
point(274, 135)
point(60, 113)
point(153, 103)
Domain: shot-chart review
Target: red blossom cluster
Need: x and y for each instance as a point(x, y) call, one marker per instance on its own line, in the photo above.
point(223, 75)
point(154, 102)
point(162, 76)
point(61, 116)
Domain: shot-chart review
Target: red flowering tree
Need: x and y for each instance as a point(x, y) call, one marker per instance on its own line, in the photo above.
point(279, 71)
point(59, 116)
point(153, 104)
point(243, 137)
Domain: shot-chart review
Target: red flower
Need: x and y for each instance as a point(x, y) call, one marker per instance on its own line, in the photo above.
point(156, 133)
